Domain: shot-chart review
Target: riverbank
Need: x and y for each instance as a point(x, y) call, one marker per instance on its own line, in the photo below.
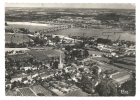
point(28, 23)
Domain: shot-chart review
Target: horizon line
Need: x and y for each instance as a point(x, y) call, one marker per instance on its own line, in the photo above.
point(75, 8)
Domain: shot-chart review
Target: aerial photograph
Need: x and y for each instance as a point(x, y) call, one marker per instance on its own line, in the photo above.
point(70, 50)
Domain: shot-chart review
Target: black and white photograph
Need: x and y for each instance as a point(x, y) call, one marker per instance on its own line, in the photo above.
point(70, 49)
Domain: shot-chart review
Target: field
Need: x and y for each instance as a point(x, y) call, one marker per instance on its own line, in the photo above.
point(44, 55)
point(129, 58)
point(105, 66)
point(96, 52)
point(102, 59)
point(129, 62)
point(126, 62)
point(20, 57)
point(131, 67)
point(115, 65)
point(16, 38)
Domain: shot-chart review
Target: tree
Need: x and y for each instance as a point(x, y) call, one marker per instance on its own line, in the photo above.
point(14, 84)
point(66, 58)
point(68, 48)
point(107, 88)
point(86, 54)
point(56, 64)
point(56, 39)
point(31, 60)
point(87, 84)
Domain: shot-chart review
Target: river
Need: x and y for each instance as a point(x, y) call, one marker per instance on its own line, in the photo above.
point(75, 31)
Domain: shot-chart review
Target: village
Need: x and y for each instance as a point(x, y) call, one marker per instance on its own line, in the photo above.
point(60, 69)
point(70, 52)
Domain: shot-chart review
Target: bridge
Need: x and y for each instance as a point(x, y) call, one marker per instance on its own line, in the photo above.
point(53, 29)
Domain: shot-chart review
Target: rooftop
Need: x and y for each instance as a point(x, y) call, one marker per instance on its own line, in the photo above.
point(26, 91)
point(19, 75)
point(119, 75)
point(39, 89)
point(78, 92)
point(16, 49)
point(10, 93)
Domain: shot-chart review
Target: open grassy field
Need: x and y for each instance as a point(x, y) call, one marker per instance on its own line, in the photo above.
point(129, 61)
point(43, 55)
point(16, 38)
point(129, 58)
point(114, 66)
point(20, 56)
point(131, 67)
point(102, 59)
point(96, 52)
point(105, 66)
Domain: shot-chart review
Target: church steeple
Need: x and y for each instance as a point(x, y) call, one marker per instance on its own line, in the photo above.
point(60, 59)
point(60, 66)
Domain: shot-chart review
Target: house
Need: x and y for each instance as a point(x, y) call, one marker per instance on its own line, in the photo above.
point(57, 92)
point(16, 50)
point(29, 77)
point(34, 68)
point(34, 74)
point(121, 77)
point(26, 68)
point(8, 84)
point(113, 53)
point(71, 69)
point(25, 80)
point(95, 55)
point(77, 92)
point(46, 75)
point(18, 77)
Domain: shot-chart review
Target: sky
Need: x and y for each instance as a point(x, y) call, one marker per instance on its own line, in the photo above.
point(74, 5)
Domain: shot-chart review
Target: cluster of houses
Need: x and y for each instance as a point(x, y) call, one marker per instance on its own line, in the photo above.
point(29, 74)
point(14, 51)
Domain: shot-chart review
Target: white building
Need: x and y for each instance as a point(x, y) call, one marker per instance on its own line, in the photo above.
point(26, 68)
point(18, 78)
